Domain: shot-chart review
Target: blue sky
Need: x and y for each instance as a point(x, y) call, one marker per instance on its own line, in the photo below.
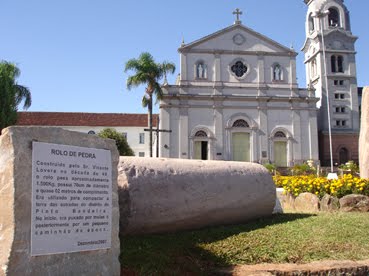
point(72, 52)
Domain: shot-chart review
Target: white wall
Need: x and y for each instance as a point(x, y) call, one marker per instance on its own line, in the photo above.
point(133, 134)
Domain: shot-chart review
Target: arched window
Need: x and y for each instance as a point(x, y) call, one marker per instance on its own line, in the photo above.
point(277, 72)
point(343, 155)
point(337, 64)
point(201, 133)
point(340, 64)
point(334, 18)
point(280, 134)
point(311, 23)
point(333, 64)
point(201, 70)
point(240, 123)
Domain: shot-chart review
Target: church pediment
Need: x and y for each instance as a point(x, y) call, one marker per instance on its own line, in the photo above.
point(236, 38)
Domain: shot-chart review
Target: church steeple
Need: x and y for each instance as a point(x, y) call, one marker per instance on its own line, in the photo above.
point(330, 65)
point(337, 15)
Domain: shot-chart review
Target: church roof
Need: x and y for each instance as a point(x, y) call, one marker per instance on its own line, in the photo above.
point(84, 119)
point(280, 47)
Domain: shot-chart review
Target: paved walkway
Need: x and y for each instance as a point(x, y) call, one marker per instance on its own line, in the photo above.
point(357, 268)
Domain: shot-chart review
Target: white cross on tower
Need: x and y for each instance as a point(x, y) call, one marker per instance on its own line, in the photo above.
point(237, 12)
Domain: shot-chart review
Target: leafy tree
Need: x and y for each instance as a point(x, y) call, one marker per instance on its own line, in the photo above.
point(148, 72)
point(11, 94)
point(122, 144)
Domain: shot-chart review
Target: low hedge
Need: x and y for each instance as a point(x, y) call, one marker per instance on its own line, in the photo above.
point(345, 185)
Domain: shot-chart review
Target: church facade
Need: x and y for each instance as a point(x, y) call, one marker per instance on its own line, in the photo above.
point(237, 98)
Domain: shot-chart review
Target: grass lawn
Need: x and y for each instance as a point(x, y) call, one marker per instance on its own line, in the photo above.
point(291, 237)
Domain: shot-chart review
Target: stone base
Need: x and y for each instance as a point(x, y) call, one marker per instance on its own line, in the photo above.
point(16, 203)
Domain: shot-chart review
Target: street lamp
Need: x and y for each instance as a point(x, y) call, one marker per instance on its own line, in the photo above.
point(320, 15)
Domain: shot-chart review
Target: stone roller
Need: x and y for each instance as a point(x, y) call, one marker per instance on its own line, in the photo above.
point(167, 195)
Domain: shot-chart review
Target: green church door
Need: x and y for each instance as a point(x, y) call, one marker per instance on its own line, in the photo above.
point(201, 150)
point(280, 153)
point(241, 146)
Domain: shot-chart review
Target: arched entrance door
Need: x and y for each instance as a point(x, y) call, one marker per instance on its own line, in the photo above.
point(201, 145)
point(240, 141)
point(241, 146)
point(280, 149)
point(343, 156)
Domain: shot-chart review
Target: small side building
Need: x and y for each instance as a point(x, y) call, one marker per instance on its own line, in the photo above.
point(130, 125)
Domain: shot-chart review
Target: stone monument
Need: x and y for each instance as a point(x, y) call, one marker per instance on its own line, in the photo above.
point(364, 135)
point(59, 211)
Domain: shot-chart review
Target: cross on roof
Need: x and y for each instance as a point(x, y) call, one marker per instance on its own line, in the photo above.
point(237, 12)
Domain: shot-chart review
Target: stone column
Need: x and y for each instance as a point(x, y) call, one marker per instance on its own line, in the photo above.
point(164, 140)
point(219, 146)
point(263, 137)
point(296, 128)
point(313, 137)
point(292, 76)
point(174, 146)
point(183, 131)
point(261, 69)
point(255, 148)
point(183, 67)
point(217, 69)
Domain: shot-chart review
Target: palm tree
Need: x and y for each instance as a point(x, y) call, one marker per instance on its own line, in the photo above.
point(11, 94)
point(148, 72)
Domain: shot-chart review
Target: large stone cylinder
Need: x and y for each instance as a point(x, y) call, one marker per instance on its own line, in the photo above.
point(165, 195)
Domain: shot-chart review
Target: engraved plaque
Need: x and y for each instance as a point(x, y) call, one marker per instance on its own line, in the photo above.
point(71, 199)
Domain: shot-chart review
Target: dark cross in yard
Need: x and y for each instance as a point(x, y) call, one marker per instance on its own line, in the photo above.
point(157, 131)
point(237, 12)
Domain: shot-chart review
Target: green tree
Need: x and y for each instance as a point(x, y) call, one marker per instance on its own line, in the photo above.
point(122, 144)
point(11, 94)
point(147, 72)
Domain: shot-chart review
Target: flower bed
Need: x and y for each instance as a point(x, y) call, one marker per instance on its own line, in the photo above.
point(348, 184)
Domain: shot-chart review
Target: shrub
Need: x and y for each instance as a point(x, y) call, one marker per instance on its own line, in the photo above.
point(270, 167)
point(122, 145)
point(347, 184)
point(303, 169)
point(350, 166)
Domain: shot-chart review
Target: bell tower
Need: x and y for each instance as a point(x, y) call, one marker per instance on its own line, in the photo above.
point(331, 71)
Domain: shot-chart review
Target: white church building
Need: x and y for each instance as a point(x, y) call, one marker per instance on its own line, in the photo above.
point(237, 98)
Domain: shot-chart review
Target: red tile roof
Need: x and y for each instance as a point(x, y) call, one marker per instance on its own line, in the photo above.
point(83, 119)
